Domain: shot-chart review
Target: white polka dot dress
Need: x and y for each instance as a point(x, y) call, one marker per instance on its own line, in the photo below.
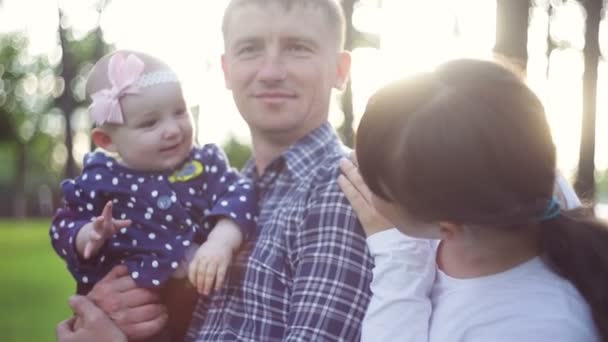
point(168, 210)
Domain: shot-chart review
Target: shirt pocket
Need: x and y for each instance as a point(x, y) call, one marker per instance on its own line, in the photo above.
point(271, 256)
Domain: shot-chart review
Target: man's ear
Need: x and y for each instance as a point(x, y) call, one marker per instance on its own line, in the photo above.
point(225, 70)
point(102, 139)
point(343, 72)
point(449, 230)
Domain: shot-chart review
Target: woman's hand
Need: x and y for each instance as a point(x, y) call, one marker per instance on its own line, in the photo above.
point(359, 196)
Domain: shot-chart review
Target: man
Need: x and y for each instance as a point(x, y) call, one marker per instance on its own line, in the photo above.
point(306, 274)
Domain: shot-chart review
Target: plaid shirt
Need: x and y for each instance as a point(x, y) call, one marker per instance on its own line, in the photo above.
point(306, 275)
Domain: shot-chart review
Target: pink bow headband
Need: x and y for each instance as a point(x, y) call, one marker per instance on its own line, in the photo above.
point(126, 77)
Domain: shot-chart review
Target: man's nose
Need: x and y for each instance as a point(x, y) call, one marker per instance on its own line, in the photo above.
point(273, 69)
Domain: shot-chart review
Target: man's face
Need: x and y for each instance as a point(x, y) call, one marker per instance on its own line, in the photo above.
point(281, 67)
point(157, 134)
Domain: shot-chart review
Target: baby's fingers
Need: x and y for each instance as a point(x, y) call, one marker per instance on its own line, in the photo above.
point(209, 277)
point(107, 213)
point(201, 271)
point(220, 276)
point(89, 250)
point(192, 271)
point(118, 224)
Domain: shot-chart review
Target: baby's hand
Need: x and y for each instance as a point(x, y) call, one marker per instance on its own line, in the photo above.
point(209, 266)
point(93, 235)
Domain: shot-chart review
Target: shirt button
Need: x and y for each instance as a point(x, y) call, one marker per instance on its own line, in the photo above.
point(164, 202)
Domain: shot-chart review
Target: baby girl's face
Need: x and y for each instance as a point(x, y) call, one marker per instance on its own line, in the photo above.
point(157, 133)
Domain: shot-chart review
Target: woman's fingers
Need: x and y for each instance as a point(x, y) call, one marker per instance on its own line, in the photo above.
point(352, 173)
point(355, 198)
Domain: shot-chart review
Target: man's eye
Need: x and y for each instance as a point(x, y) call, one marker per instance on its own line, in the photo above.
point(248, 49)
point(299, 49)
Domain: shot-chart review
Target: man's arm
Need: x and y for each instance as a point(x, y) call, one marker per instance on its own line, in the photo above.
point(136, 311)
point(95, 324)
point(332, 275)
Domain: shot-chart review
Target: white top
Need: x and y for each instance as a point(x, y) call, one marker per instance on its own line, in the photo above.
point(415, 301)
point(403, 276)
point(526, 303)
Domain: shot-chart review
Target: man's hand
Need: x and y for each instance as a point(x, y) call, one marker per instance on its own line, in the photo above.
point(208, 268)
point(94, 325)
point(359, 196)
point(137, 311)
point(93, 235)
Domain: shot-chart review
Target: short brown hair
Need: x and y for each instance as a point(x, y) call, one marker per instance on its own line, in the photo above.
point(331, 8)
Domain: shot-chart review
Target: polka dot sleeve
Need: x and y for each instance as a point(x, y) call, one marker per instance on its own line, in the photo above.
point(82, 203)
point(230, 194)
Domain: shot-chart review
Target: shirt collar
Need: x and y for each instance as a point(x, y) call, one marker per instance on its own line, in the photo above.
point(303, 156)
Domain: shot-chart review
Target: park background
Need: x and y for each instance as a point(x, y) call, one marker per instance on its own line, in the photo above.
point(47, 48)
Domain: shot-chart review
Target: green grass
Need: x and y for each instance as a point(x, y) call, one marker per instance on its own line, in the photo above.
point(34, 283)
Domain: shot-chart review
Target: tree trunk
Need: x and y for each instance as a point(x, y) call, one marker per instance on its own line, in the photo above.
point(346, 130)
point(585, 180)
point(550, 43)
point(20, 198)
point(66, 101)
point(100, 51)
point(512, 31)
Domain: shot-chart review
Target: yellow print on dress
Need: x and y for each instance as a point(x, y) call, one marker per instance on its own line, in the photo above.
point(190, 170)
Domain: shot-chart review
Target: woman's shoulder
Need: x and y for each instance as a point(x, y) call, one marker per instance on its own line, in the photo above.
point(529, 300)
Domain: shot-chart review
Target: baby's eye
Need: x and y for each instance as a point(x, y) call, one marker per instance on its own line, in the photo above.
point(147, 124)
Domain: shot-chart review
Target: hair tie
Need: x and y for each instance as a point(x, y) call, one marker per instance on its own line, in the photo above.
point(552, 211)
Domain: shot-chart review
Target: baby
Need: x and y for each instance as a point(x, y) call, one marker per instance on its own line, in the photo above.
point(149, 197)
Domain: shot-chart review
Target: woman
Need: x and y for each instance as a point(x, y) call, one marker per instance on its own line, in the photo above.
point(467, 171)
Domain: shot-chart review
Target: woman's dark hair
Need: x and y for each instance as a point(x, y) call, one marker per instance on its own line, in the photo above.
point(469, 143)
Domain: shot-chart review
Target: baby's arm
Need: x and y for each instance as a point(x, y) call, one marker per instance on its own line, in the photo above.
point(232, 212)
point(93, 235)
point(213, 257)
point(73, 226)
point(81, 202)
point(230, 195)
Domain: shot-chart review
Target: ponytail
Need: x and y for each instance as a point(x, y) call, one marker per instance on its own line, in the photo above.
point(576, 247)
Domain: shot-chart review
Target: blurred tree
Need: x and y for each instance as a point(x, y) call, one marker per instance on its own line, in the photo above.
point(25, 96)
point(66, 102)
point(512, 31)
point(585, 181)
point(354, 39)
point(237, 152)
point(551, 44)
point(77, 57)
point(602, 185)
